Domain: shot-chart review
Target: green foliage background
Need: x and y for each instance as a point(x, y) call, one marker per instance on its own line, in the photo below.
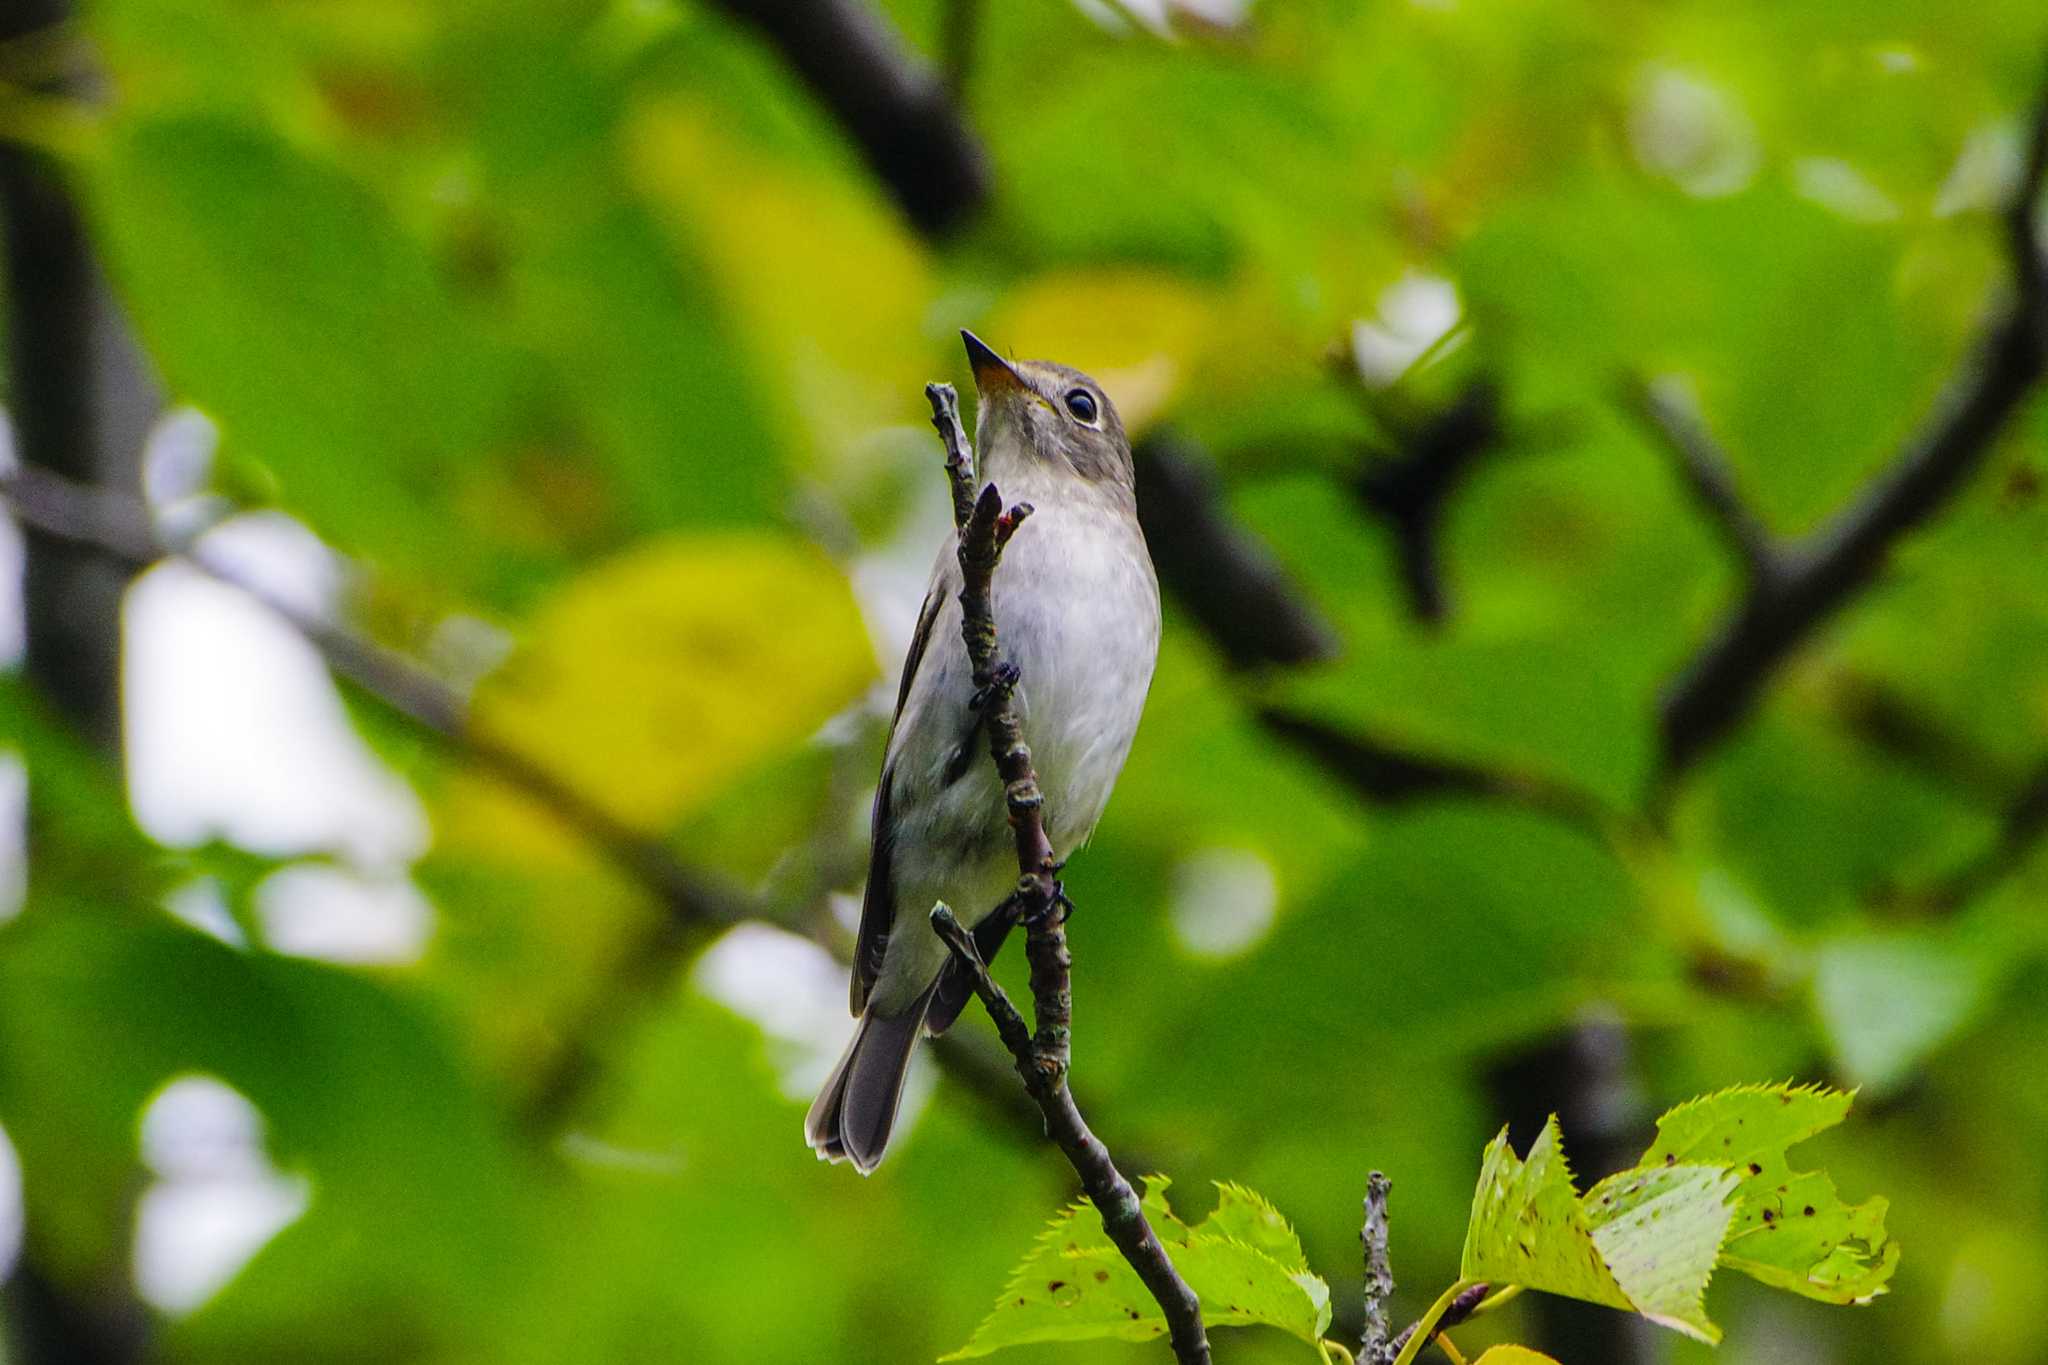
point(583, 318)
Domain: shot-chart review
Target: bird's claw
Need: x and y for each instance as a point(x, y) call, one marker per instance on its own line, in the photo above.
point(1002, 678)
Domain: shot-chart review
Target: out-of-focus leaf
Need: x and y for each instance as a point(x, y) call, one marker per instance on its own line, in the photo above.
point(417, 1196)
point(1243, 1262)
point(653, 680)
point(842, 345)
point(1888, 1000)
point(1140, 333)
point(1791, 1230)
point(628, 312)
point(1513, 1355)
point(325, 346)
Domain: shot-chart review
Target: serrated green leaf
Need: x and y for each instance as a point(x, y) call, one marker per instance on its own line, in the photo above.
point(1248, 1217)
point(1243, 1261)
point(1646, 1245)
point(1660, 1232)
point(1791, 1230)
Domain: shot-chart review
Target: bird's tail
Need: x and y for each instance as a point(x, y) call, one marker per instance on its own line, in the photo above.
point(855, 1111)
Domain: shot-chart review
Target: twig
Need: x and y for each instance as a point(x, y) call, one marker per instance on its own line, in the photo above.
point(891, 106)
point(959, 453)
point(1223, 575)
point(1042, 1056)
point(1669, 411)
point(1454, 1306)
point(1377, 1348)
point(1819, 574)
point(1041, 1059)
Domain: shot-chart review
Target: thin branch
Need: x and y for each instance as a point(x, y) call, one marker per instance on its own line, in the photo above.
point(892, 107)
point(1818, 575)
point(1225, 576)
point(1670, 412)
point(1383, 774)
point(959, 452)
point(1377, 1348)
point(1042, 1056)
point(1042, 1060)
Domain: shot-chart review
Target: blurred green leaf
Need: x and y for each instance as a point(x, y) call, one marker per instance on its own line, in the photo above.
point(326, 349)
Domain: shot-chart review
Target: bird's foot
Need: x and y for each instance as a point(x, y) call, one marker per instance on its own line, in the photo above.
point(1003, 678)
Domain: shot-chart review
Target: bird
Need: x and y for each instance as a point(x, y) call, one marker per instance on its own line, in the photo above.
point(1076, 606)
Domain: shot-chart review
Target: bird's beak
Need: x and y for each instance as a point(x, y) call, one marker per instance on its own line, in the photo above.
point(992, 373)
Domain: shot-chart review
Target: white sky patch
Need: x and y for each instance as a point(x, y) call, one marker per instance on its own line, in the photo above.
point(1692, 133)
point(1223, 902)
point(889, 581)
point(200, 904)
point(795, 993)
point(235, 731)
point(1986, 174)
point(1415, 313)
point(13, 835)
point(1839, 187)
point(10, 1206)
point(339, 915)
point(217, 1199)
point(788, 987)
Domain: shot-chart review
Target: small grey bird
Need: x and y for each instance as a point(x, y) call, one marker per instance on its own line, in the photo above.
point(1077, 611)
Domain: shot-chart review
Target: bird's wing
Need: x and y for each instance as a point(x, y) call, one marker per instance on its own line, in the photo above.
point(878, 903)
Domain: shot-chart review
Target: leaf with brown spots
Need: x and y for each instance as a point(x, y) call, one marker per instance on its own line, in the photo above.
point(1243, 1261)
point(1791, 1230)
point(1646, 1244)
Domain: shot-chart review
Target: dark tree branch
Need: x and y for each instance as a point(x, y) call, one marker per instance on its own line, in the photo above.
point(1381, 774)
point(1889, 722)
point(1377, 1348)
point(1223, 575)
point(1584, 1076)
point(1671, 414)
point(1411, 490)
point(81, 402)
point(118, 527)
point(891, 107)
point(1043, 1056)
point(2022, 826)
point(1819, 574)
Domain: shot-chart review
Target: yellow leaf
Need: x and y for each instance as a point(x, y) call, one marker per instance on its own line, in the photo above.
point(829, 288)
point(1140, 333)
point(653, 681)
point(1514, 1355)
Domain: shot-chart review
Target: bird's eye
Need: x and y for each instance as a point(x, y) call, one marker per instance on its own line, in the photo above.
point(1081, 403)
